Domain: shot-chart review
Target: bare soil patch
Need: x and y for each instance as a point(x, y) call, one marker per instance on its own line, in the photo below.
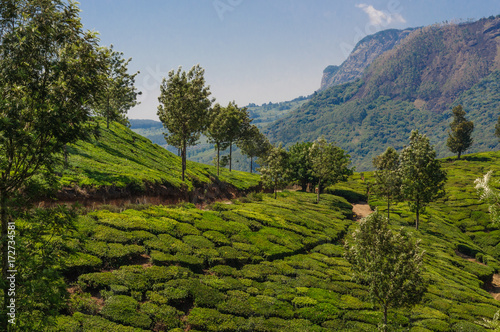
point(361, 210)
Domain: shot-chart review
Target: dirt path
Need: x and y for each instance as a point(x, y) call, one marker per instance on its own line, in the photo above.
point(494, 286)
point(361, 210)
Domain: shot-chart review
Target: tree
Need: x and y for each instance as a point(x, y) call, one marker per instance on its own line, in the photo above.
point(118, 93)
point(329, 163)
point(238, 122)
point(390, 264)
point(253, 144)
point(51, 72)
point(421, 174)
point(387, 179)
point(274, 169)
point(301, 169)
point(183, 108)
point(490, 195)
point(459, 139)
point(217, 130)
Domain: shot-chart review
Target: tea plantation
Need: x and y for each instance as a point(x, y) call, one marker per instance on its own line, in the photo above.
point(120, 158)
point(261, 264)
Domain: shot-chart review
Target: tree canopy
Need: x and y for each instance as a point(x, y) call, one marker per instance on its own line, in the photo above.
point(421, 174)
point(51, 74)
point(183, 110)
point(460, 137)
point(389, 263)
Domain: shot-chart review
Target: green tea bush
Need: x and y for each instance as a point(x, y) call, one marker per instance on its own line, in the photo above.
point(97, 280)
point(123, 309)
point(199, 242)
point(319, 313)
point(79, 263)
point(303, 301)
point(434, 324)
point(164, 317)
point(82, 322)
point(216, 237)
point(84, 303)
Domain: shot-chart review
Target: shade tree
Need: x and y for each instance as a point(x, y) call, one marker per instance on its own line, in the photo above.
point(329, 163)
point(274, 169)
point(387, 178)
point(51, 74)
point(389, 263)
point(422, 179)
point(118, 93)
point(460, 137)
point(253, 144)
point(183, 110)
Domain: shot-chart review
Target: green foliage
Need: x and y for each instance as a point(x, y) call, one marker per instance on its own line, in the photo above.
point(300, 164)
point(421, 174)
point(183, 108)
point(328, 163)
point(375, 253)
point(274, 171)
point(387, 178)
point(123, 309)
point(490, 195)
point(459, 140)
point(117, 94)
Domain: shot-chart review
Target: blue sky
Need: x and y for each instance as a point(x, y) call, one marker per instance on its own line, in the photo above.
point(253, 50)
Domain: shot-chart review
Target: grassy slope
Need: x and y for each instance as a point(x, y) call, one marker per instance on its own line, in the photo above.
point(123, 158)
point(269, 265)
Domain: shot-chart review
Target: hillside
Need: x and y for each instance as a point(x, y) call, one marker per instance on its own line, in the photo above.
point(412, 86)
point(363, 54)
point(121, 164)
point(261, 264)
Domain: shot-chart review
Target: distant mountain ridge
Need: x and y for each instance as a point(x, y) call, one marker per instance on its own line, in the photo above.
point(413, 85)
point(363, 54)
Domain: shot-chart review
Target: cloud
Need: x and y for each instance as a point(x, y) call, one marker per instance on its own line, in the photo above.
point(379, 17)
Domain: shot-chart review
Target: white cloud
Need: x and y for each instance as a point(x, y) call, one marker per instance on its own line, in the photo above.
point(380, 17)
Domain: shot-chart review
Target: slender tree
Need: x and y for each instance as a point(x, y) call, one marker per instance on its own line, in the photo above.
point(118, 93)
point(390, 264)
point(51, 71)
point(253, 144)
point(421, 174)
point(329, 163)
point(274, 169)
point(301, 168)
point(238, 122)
point(387, 179)
point(459, 139)
point(217, 130)
point(183, 110)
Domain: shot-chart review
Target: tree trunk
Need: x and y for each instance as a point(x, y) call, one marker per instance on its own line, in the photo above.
point(388, 206)
point(230, 155)
point(303, 184)
point(251, 165)
point(459, 154)
point(218, 154)
point(418, 213)
point(319, 189)
point(385, 317)
point(183, 159)
point(275, 189)
point(5, 262)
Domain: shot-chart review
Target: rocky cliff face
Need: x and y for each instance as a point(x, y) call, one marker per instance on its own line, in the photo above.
point(365, 52)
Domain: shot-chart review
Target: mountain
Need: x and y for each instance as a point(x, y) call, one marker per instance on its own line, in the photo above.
point(414, 85)
point(364, 53)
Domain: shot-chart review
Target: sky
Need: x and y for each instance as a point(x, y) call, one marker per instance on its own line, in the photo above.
point(253, 51)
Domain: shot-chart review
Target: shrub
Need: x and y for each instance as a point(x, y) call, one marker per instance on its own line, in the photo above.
point(164, 317)
point(123, 309)
point(303, 301)
point(196, 241)
point(97, 280)
point(83, 303)
point(216, 237)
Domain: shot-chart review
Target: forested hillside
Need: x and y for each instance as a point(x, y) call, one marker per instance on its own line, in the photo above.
point(412, 86)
